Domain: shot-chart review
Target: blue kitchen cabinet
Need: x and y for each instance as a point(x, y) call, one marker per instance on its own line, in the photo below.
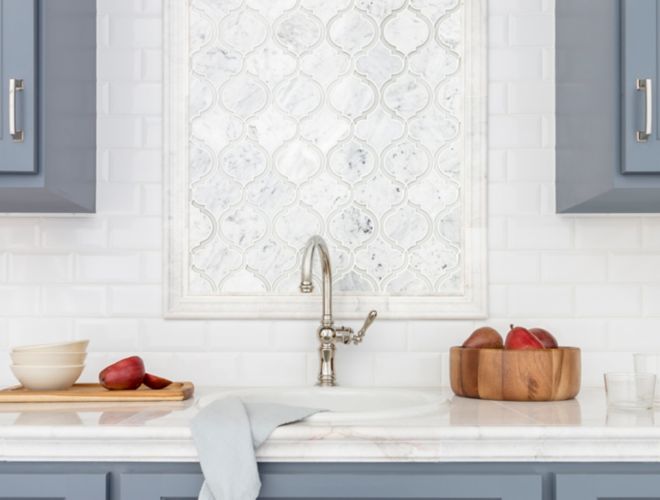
point(47, 105)
point(70, 486)
point(607, 110)
point(337, 481)
point(640, 79)
point(607, 487)
point(18, 84)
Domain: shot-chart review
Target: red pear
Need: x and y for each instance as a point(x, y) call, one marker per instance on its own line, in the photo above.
point(547, 339)
point(484, 337)
point(125, 374)
point(521, 338)
point(155, 382)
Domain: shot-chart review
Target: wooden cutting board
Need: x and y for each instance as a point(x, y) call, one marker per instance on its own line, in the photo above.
point(79, 393)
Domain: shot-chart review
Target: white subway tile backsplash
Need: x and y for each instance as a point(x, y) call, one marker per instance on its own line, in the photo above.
point(129, 165)
point(138, 300)
point(134, 32)
point(573, 268)
point(19, 300)
point(136, 98)
point(248, 336)
point(515, 131)
point(608, 300)
point(272, 369)
point(531, 29)
point(78, 233)
point(634, 268)
point(531, 165)
point(513, 267)
point(540, 233)
point(43, 268)
point(27, 331)
point(17, 234)
point(143, 233)
point(590, 280)
point(74, 300)
point(531, 98)
point(512, 199)
point(515, 64)
point(651, 300)
point(108, 334)
point(3, 267)
point(607, 233)
point(540, 300)
point(118, 198)
point(119, 64)
point(408, 369)
point(175, 336)
point(108, 268)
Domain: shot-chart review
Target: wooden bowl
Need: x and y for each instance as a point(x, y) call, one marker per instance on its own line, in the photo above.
point(515, 375)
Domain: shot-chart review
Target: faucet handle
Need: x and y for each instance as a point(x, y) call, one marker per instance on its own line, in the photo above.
point(359, 336)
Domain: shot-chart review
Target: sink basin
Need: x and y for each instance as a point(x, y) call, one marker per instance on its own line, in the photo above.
point(343, 404)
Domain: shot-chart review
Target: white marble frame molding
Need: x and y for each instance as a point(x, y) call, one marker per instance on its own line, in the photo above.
point(465, 297)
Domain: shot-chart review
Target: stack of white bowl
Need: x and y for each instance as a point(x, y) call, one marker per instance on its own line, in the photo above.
point(49, 367)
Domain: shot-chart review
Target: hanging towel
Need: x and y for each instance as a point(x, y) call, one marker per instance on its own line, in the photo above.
point(227, 433)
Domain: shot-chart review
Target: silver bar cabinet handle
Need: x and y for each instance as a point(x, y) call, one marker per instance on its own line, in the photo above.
point(15, 85)
point(646, 85)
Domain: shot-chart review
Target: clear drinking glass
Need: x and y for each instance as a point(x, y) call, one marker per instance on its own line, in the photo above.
point(630, 391)
point(649, 363)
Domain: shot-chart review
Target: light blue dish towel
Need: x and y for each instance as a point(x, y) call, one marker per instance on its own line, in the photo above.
point(227, 433)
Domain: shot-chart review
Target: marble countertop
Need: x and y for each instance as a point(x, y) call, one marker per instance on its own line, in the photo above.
point(463, 430)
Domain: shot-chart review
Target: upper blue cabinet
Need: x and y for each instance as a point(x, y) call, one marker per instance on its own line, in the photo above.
point(608, 111)
point(18, 21)
point(47, 105)
point(641, 72)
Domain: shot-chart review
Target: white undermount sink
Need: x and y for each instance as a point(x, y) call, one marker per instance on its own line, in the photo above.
point(344, 404)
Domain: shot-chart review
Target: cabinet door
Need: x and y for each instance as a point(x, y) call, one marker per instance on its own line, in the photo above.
point(18, 86)
point(608, 487)
point(49, 486)
point(640, 86)
point(163, 486)
point(399, 486)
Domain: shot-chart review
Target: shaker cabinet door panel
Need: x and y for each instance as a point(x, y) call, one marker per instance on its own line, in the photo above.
point(53, 486)
point(164, 486)
point(18, 86)
point(640, 86)
point(400, 486)
point(608, 487)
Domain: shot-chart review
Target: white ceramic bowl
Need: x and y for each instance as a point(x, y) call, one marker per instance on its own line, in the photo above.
point(33, 358)
point(47, 378)
point(76, 346)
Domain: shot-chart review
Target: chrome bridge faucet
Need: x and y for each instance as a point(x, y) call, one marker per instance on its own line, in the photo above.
point(328, 334)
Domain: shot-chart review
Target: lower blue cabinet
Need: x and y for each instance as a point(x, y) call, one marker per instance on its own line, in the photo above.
point(170, 486)
point(68, 486)
point(339, 481)
point(608, 487)
point(388, 484)
point(391, 484)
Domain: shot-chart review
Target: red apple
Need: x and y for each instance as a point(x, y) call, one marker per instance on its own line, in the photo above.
point(521, 338)
point(547, 339)
point(484, 337)
point(125, 374)
point(155, 382)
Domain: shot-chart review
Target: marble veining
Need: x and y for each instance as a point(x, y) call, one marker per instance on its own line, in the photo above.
point(359, 120)
point(309, 120)
point(463, 430)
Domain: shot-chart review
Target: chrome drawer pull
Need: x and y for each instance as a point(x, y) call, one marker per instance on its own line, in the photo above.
point(15, 85)
point(646, 86)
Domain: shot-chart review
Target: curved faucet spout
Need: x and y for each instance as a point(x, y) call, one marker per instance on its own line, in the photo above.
point(306, 285)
